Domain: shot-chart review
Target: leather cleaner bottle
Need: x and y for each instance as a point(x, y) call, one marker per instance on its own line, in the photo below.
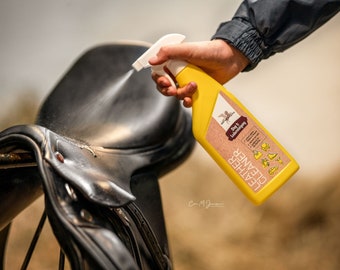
point(252, 158)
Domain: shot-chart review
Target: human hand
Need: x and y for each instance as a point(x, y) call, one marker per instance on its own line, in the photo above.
point(217, 58)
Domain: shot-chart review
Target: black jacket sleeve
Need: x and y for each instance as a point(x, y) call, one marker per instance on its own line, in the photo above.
point(261, 28)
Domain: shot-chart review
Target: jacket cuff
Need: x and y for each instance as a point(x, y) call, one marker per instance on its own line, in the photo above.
point(243, 37)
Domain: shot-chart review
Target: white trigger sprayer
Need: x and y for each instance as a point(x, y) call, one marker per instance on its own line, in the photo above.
point(142, 61)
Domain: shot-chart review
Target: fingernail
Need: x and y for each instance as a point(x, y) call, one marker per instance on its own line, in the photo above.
point(192, 86)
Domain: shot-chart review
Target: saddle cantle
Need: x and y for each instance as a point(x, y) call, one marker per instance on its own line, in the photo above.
point(101, 140)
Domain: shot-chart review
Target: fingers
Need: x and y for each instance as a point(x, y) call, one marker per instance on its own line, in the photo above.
point(163, 85)
point(182, 93)
point(187, 102)
point(186, 91)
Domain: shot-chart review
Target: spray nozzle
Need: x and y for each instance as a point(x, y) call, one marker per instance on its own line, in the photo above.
point(143, 61)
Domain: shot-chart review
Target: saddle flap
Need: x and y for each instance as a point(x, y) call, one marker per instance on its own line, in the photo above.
point(100, 178)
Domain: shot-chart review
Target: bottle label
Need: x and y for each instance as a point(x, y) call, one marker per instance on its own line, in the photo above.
point(247, 148)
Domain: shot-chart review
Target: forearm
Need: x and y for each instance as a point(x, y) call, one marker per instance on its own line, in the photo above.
point(261, 28)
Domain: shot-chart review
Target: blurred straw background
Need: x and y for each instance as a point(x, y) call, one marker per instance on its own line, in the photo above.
point(295, 95)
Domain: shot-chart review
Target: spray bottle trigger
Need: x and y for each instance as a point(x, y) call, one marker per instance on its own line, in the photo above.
point(159, 70)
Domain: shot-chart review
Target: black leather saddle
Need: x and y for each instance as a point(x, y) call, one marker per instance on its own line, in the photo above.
point(101, 140)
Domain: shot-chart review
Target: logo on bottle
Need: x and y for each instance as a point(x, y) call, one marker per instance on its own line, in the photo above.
point(228, 118)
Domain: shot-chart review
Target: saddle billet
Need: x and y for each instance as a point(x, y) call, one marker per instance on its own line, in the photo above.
point(101, 140)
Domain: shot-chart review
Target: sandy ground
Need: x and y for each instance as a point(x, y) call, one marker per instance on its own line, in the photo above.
point(297, 228)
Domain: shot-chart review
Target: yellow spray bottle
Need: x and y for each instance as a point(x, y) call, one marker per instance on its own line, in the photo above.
point(252, 158)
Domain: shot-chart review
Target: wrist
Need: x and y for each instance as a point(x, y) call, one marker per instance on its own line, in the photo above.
point(239, 59)
point(232, 59)
point(244, 37)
